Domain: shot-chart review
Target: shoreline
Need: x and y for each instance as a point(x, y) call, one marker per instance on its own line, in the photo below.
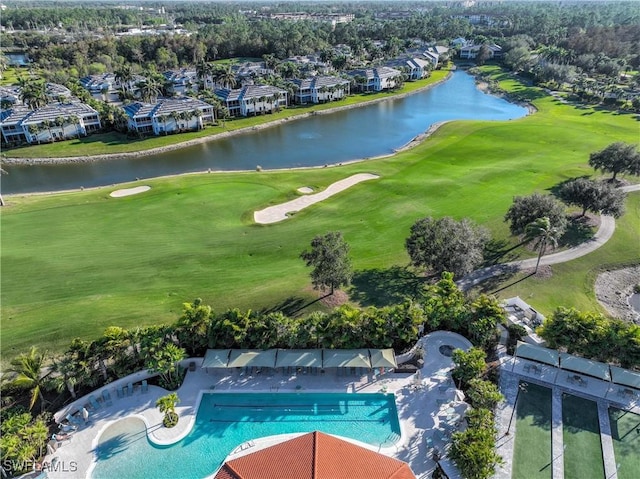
point(212, 137)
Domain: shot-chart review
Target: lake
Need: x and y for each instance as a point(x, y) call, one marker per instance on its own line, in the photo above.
point(364, 132)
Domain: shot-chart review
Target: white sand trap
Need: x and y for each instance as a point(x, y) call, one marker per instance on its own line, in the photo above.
point(276, 213)
point(305, 189)
point(129, 191)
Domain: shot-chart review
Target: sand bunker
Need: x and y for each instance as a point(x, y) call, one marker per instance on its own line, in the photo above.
point(129, 191)
point(305, 189)
point(276, 213)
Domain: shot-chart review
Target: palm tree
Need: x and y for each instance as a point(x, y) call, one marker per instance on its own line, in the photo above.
point(149, 90)
point(67, 368)
point(34, 130)
point(542, 234)
point(175, 116)
point(28, 369)
point(124, 76)
point(74, 120)
point(203, 72)
point(197, 113)
point(60, 123)
point(48, 124)
point(225, 76)
point(167, 406)
point(277, 96)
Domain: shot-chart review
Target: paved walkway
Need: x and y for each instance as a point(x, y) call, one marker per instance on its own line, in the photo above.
point(421, 402)
point(604, 234)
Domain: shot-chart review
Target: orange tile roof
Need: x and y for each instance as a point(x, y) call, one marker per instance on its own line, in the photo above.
point(315, 456)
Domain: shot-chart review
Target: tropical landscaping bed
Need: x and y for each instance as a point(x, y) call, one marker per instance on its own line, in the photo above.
point(90, 261)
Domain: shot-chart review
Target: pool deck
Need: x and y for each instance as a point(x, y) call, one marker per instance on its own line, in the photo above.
point(421, 401)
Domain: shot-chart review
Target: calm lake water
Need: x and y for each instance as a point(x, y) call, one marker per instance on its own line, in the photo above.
point(363, 132)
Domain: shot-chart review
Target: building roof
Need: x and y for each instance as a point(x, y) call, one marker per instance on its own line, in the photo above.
point(319, 82)
point(315, 456)
point(164, 106)
point(247, 92)
point(180, 75)
point(380, 72)
point(96, 82)
point(22, 114)
point(383, 358)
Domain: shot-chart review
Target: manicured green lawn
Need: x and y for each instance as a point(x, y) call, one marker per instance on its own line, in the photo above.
point(625, 431)
point(75, 263)
point(112, 143)
point(532, 448)
point(581, 436)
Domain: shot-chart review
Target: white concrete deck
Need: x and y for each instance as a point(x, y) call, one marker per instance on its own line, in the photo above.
point(426, 404)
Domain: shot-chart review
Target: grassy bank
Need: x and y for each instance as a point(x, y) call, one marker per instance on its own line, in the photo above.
point(114, 143)
point(76, 263)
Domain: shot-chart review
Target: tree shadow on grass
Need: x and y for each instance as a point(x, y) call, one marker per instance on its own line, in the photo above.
point(499, 251)
point(383, 287)
point(289, 306)
point(579, 230)
point(495, 284)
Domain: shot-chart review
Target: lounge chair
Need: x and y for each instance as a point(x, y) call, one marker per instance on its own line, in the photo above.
point(129, 389)
point(94, 403)
point(106, 397)
point(144, 387)
point(120, 391)
point(73, 420)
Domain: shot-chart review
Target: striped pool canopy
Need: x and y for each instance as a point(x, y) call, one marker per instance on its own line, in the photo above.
point(537, 353)
point(625, 377)
point(345, 358)
point(310, 358)
point(302, 358)
point(585, 366)
point(252, 357)
point(216, 358)
point(383, 358)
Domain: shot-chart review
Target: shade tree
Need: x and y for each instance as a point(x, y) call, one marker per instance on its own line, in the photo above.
point(595, 196)
point(526, 209)
point(617, 158)
point(445, 244)
point(329, 257)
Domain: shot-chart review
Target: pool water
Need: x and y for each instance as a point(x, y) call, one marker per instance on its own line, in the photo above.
point(224, 421)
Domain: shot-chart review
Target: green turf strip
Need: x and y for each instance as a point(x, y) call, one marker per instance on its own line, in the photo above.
point(625, 432)
point(532, 449)
point(581, 436)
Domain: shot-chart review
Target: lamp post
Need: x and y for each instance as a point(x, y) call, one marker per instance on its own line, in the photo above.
point(521, 387)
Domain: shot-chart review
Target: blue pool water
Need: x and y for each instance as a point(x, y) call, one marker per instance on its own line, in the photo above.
point(224, 421)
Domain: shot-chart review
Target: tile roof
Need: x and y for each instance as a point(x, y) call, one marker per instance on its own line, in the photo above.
point(315, 456)
point(164, 106)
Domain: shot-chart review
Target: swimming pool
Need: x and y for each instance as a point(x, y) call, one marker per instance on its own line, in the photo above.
point(226, 420)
